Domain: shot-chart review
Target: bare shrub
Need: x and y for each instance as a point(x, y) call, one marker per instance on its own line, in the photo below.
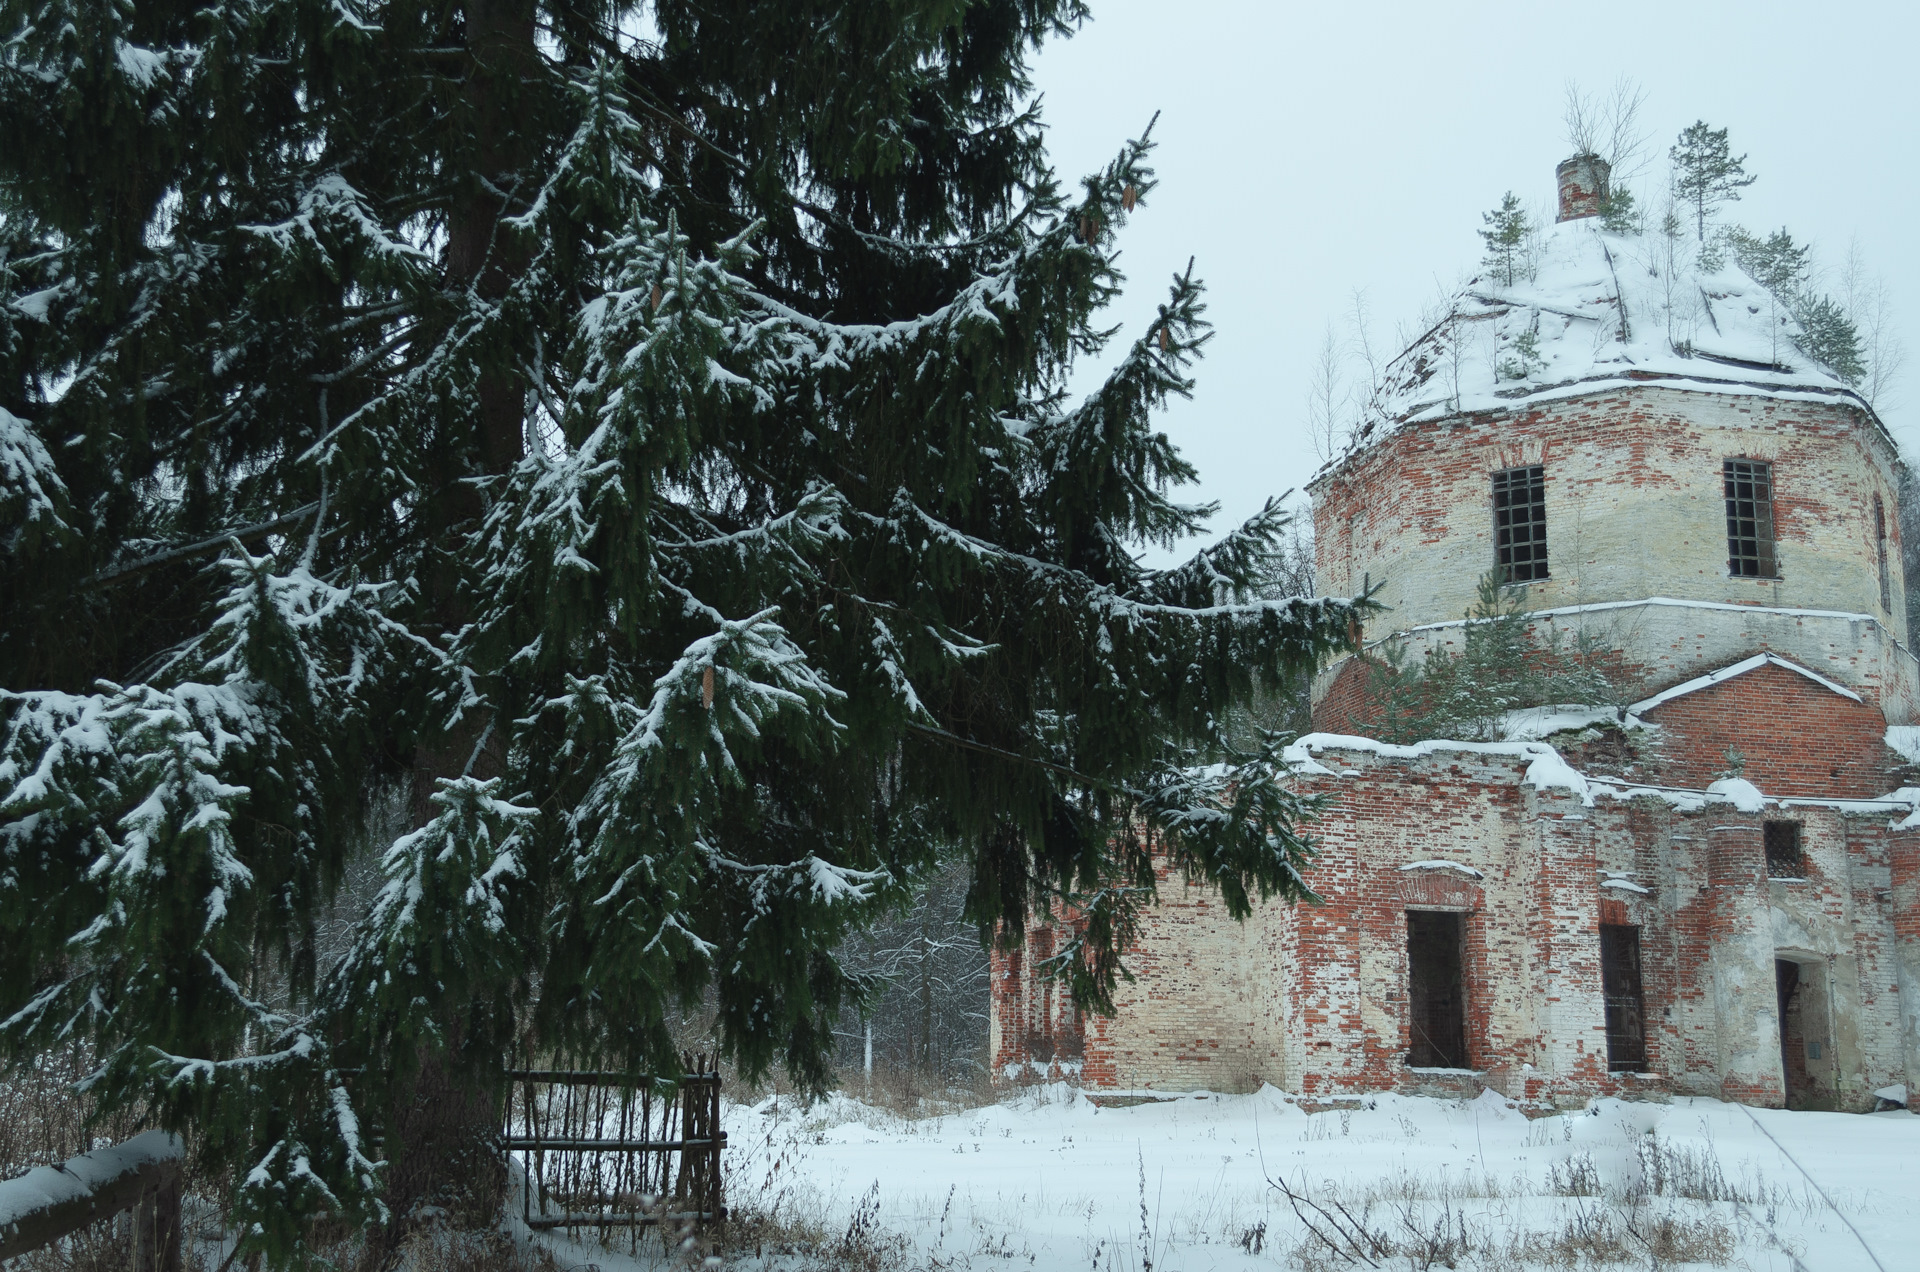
point(1575, 1177)
point(442, 1249)
point(45, 1120)
point(866, 1246)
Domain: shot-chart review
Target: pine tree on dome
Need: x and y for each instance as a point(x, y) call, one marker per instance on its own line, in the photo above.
point(1706, 172)
point(647, 453)
point(1505, 235)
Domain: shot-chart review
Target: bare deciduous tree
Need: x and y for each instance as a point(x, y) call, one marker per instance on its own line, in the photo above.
point(1865, 297)
point(1608, 126)
point(928, 1019)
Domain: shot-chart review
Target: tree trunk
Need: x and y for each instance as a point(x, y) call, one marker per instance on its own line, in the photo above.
point(444, 1127)
point(446, 1161)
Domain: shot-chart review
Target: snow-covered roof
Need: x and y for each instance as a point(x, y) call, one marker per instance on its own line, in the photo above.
point(1548, 769)
point(1740, 668)
point(1605, 311)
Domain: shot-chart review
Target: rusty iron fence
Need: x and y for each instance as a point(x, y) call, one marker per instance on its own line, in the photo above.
point(606, 1150)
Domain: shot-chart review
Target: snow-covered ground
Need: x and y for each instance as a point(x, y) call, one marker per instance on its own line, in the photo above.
point(1051, 1182)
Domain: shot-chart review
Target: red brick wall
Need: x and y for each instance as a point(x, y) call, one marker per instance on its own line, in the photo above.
point(1346, 707)
point(1313, 997)
point(1795, 737)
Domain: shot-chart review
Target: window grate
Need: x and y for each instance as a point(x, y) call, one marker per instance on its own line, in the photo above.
point(1750, 519)
point(1880, 541)
point(1624, 997)
point(1785, 859)
point(1520, 522)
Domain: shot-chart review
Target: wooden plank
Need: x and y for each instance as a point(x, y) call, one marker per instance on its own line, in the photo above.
point(48, 1202)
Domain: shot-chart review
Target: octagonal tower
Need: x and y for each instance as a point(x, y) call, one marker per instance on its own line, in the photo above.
point(1639, 442)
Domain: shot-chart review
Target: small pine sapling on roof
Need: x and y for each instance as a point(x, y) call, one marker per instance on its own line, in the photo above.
point(1706, 173)
point(1524, 360)
point(1619, 213)
point(1776, 262)
point(1506, 232)
point(1501, 666)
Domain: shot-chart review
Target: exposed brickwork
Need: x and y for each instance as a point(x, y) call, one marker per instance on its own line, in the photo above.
point(1790, 735)
point(1635, 510)
point(1314, 998)
point(1583, 182)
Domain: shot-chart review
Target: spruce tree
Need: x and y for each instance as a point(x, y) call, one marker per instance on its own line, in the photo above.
point(1500, 667)
point(1706, 173)
point(1505, 236)
point(1619, 213)
point(1776, 262)
point(642, 446)
point(1829, 336)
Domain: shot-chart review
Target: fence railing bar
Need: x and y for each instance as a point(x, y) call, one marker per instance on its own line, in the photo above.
point(637, 1218)
point(591, 1078)
point(534, 1144)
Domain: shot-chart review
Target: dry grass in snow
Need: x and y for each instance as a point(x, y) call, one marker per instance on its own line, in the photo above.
point(1048, 1181)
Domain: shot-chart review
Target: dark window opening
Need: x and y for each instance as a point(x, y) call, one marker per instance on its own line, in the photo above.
point(1625, 999)
point(1880, 542)
point(1436, 990)
point(1520, 523)
point(1750, 519)
point(1785, 858)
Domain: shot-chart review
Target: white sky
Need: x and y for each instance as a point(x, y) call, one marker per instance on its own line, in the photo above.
point(1307, 151)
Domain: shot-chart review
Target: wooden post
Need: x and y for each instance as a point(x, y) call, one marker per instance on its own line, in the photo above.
point(156, 1227)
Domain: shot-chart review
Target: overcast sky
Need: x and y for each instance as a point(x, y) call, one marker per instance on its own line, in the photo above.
point(1307, 151)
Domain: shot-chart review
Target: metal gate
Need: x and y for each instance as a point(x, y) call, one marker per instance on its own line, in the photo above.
point(607, 1150)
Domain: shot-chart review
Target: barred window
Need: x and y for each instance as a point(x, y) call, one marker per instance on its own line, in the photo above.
point(1750, 519)
point(1880, 542)
point(1785, 858)
point(1520, 522)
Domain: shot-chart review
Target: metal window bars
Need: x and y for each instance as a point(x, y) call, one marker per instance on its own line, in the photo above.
point(1749, 484)
point(608, 1150)
point(1520, 523)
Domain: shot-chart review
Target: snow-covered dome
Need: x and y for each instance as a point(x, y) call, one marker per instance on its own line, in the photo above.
point(1589, 310)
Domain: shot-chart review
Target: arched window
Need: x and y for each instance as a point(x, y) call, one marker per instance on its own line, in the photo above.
point(1880, 542)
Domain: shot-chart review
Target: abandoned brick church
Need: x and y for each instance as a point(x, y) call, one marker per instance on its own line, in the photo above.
point(1717, 893)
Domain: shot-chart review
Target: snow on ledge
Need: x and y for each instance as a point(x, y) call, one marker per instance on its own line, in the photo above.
point(47, 1188)
point(1437, 864)
point(1656, 602)
point(1740, 668)
point(1616, 880)
point(1546, 771)
point(1534, 724)
point(1743, 795)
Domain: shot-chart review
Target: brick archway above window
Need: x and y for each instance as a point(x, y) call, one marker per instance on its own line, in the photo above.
point(1439, 885)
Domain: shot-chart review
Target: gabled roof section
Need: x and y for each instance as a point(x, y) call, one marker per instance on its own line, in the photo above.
point(1727, 673)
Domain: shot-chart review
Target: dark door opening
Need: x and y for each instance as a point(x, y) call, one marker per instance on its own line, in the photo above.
point(1793, 1065)
point(1809, 1068)
point(1436, 990)
point(1625, 999)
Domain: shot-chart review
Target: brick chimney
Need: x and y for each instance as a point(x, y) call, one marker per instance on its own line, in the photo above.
point(1583, 186)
